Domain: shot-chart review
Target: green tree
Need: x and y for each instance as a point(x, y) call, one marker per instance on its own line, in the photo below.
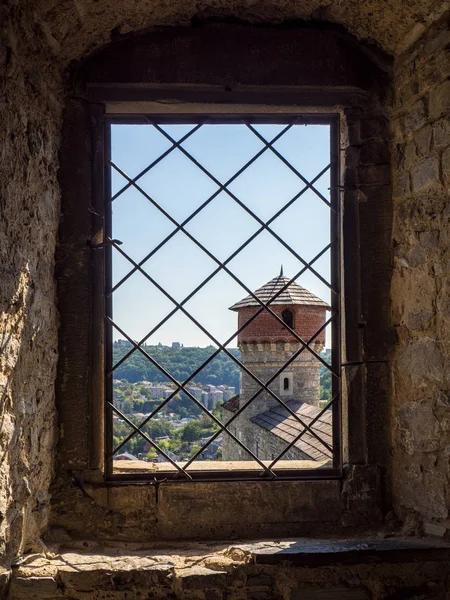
point(191, 432)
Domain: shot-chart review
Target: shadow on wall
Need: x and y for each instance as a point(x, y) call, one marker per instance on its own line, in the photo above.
point(25, 438)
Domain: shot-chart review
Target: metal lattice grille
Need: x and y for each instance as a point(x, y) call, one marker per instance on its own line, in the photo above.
point(225, 426)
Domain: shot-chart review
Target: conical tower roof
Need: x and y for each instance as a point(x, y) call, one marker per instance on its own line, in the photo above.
point(294, 294)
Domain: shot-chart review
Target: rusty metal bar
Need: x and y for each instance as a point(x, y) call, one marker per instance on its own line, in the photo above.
point(108, 341)
point(100, 172)
point(335, 271)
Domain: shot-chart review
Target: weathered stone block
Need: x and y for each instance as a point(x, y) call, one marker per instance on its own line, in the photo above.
point(425, 174)
point(402, 184)
point(199, 578)
point(416, 117)
point(375, 153)
point(411, 156)
point(446, 166)
point(419, 321)
point(372, 128)
point(259, 580)
point(132, 499)
point(375, 175)
point(361, 495)
point(441, 133)
point(423, 140)
point(309, 592)
point(416, 256)
point(407, 92)
point(34, 588)
point(354, 132)
point(434, 529)
point(418, 427)
point(224, 508)
point(429, 239)
point(419, 364)
point(439, 100)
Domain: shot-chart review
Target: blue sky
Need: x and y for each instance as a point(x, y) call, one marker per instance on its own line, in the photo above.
point(180, 187)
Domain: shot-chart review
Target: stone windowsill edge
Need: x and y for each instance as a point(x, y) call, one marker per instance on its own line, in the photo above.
point(306, 552)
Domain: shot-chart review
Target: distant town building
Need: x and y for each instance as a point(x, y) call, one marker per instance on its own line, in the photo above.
point(159, 390)
point(195, 391)
point(228, 391)
point(160, 458)
point(210, 452)
point(125, 456)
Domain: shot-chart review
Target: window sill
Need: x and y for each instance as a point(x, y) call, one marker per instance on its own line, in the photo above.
point(189, 569)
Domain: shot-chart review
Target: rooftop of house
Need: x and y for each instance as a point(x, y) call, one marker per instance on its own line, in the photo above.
point(232, 404)
point(279, 421)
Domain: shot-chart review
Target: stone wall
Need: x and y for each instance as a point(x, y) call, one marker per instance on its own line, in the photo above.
point(264, 444)
point(38, 41)
point(264, 360)
point(420, 285)
point(30, 112)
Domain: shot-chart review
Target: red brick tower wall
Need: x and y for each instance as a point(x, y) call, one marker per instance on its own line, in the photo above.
point(265, 328)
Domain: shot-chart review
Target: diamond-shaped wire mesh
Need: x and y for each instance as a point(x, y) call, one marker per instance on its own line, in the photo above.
point(302, 428)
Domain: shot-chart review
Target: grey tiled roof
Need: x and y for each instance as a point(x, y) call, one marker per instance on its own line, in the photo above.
point(232, 404)
point(294, 294)
point(281, 423)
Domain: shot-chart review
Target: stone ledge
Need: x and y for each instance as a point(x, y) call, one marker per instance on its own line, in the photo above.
point(315, 553)
point(321, 569)
point(140, 466)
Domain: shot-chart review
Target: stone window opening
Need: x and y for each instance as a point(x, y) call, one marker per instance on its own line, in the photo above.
point(287, 384)
point(105, 86)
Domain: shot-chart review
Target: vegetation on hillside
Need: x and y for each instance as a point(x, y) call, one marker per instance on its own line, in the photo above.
point(182, 441)
point(180, 363)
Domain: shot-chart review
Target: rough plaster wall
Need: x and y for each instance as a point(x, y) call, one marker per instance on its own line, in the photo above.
point(421, 288)
point(30, 109)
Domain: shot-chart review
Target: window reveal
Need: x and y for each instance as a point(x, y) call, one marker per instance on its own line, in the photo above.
point(302, 427)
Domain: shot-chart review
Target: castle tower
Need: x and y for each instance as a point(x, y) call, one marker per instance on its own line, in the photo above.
point(265, 346)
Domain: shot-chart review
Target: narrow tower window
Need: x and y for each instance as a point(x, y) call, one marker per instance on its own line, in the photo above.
point(288, 317)
point(286, 383)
